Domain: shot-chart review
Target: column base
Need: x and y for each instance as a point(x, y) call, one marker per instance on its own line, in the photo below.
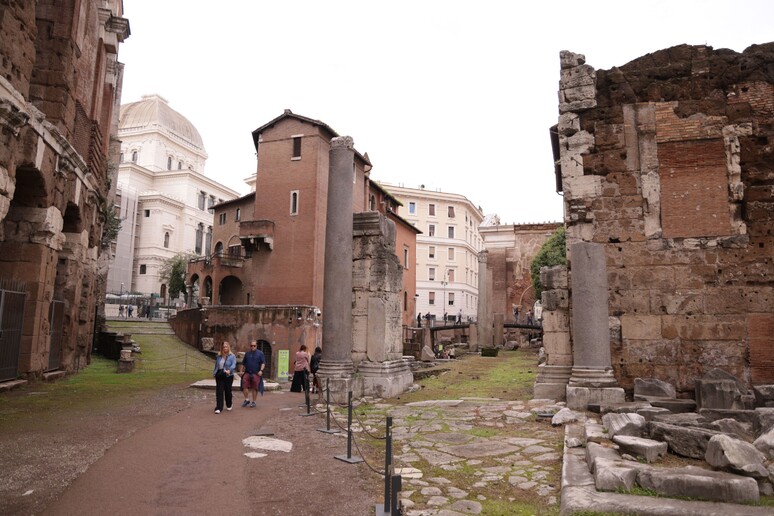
point(382, 379)
point(579, 398)
point(551, 382)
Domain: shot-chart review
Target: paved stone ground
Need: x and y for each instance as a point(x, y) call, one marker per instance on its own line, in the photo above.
point(474, 456)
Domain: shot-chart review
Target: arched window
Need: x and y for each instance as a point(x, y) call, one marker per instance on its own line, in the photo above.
point(169, 163)
point(180, 165)
point(166, 239)
point(134, 156)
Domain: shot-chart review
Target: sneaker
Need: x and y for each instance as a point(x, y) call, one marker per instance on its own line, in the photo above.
point(217, 411)
point(252, 405)
point(228, 408)
point(245, 403)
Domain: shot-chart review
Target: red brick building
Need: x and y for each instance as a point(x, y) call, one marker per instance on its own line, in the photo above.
point(269, 245)
point(60, 88)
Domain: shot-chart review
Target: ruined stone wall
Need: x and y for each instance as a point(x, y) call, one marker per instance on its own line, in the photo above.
point(57, 96)
point(511, 250)
point(377, 284)
point(283, 327)
point(668, 161)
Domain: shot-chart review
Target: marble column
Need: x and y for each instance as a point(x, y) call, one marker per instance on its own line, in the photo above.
point(336, 360)
point(592, 379)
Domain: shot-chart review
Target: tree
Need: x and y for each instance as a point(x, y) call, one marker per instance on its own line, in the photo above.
point(553, 252)
point(173, 273)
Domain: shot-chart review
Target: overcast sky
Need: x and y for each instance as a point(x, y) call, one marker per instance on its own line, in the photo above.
point(454, 95)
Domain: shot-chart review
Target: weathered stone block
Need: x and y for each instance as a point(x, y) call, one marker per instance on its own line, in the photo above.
point(649, 449)
point(641, 327)
point(725, 452)
point(555, 321)
point(624, 424)
point(686, 441)
point(699, 484)
point(557, 343)
point(553, 277)
point(555, 299)
point(653, 387)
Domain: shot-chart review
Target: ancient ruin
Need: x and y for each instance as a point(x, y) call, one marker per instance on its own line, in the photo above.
point(60, 88)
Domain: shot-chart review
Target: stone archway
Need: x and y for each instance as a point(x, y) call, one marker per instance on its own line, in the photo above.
point(207, 289)
point(265, 348)
point(230, 290)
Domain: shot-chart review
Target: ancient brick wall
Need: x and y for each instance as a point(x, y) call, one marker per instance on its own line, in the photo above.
point(668, 162)
point(57, 95)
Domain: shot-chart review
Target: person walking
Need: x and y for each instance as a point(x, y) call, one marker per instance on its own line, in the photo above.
point(459, 316)
point(129, 310)
point(223, 372)
point(253, 364)
point(315, 366)
point(120, 310)
point(300, 371)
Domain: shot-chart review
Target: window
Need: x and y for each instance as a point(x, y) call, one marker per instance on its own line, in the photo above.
point(146, 213)
point(180, 165)
point(431, 230)
point(431, 210)
point(451, 298)
point(169, 163)
point(431, 273)
point(451, 275)
point(211, 203)
point(121, 158)
point(134, 156)
point(405, 257)
point(208, 240)
point(199, 238)
point(235, 251)
point(451, 212)
point(372, 203)
point(412, 208)
point(294, 202)
point(238, 214)
point(202, 199)
point(296, 147)
point(451, 253)
point(143, 269)
point(166, 239)
point(222, 218)
point(451, 231)
point(431, 252)
point(405, 300)
point(431, 298)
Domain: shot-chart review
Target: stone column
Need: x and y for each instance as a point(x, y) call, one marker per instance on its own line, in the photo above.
point(592, 379)
point(484, 316)
point(553, 376)
point(337, 290)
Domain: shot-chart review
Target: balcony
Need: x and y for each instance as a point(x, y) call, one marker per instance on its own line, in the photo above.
point(254, 232)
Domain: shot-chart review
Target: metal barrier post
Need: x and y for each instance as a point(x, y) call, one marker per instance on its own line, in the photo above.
point(385, 508)
point(307, 397)
point(327, 428)
point(396, 485)
point(349, 458)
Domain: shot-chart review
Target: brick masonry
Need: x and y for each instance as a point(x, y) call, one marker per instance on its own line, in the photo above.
point(675, 180)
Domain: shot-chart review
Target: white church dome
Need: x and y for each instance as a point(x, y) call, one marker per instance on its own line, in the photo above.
point(153, 113)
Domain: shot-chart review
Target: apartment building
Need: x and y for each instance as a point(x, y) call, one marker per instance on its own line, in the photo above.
point(447, 249)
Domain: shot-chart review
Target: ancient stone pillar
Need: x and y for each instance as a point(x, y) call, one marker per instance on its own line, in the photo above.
point(484, 316)
point(377, 283)
point(337, 291)
point(553, 376)
point(592, 378)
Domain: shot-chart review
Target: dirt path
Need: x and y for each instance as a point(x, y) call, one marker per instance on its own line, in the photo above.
point(169, 454)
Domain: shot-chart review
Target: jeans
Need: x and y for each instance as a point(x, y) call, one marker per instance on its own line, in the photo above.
point(223, 387)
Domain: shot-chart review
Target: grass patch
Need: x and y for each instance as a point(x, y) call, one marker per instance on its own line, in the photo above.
point(508, 376)
point(638, 491)
point(483, 432)
point(515, 508)
point(165, 361)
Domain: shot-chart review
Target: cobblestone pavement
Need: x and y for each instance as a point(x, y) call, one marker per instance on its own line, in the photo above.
point(475, 455)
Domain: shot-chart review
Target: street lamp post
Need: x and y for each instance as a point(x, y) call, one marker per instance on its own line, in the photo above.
point(121, 292)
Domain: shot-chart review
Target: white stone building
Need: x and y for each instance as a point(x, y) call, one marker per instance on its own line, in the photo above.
point(447, 249)
point(162, 195)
